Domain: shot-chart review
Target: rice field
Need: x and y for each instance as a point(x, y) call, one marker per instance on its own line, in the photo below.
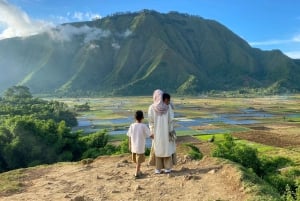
point(271, 124)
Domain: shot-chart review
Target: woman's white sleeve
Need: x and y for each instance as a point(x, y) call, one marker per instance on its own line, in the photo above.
point(151, 120)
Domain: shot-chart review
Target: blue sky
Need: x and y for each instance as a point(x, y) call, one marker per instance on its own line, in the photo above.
point(264, 24)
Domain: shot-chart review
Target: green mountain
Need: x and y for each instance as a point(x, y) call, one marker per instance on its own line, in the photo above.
point(135, 53)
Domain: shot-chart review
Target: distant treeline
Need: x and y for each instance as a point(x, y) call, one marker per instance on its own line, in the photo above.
point(35, 131)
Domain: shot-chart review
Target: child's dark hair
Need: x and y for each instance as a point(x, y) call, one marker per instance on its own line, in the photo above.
point(139, 115)
point(166, 96)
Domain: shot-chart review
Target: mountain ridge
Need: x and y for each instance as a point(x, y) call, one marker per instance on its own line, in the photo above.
point(135, 53)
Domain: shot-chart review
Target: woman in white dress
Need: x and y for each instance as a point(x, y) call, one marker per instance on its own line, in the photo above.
point(159, 118)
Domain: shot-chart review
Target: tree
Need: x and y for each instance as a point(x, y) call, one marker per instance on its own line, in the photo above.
point(5, 139)
point(17, 92)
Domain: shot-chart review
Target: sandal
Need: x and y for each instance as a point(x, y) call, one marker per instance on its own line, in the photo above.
point(167, 171)
point(137, 176)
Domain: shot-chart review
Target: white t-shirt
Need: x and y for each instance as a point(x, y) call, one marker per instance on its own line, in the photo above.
point(138, 132)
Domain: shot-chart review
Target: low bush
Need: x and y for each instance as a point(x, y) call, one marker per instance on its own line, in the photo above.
point(240, 153)
point(194, 153)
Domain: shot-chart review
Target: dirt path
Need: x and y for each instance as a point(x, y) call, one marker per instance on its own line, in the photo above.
point(111, 178)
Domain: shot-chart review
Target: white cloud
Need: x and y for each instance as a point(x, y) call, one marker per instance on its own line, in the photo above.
point(67, 32)
point(127, 33)
point(78, 16)
point(88, 16)
point(296, 38)
point(287, 46)
point(269, 42)
point(293, 54)
point(16, 23)
point(92, 46)
point(115, 45)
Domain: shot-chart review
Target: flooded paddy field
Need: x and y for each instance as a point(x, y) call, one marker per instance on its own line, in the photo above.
point(272, 120)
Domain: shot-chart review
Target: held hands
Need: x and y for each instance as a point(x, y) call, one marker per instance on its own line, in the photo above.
point(172, 136)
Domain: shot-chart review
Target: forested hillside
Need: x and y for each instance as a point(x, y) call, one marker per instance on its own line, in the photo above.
point(35, 131)
point(135, 53)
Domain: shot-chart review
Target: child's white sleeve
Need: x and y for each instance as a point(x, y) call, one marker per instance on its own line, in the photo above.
point(129, 133)
point(147, 131)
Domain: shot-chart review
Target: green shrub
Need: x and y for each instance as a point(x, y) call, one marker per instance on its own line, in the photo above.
point(147, 151)
point(91, 153)
point(288, 196)
point(194, 152)
point(280, 182)
point(95, 140)
point(240, 153)
point(124, 146)
point(298, 191)
point(272, 164)
point(247, 156)
point(293, 173)
point(109, 149)
point(65, 156)
point(291, 195)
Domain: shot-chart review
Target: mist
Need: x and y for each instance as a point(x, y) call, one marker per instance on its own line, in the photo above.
point(16, 23)
point(68, 32)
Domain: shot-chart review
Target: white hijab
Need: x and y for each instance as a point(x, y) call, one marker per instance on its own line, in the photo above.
point(159, 106)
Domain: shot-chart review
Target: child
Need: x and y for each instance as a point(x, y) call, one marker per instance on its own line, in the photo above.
point(137, 133)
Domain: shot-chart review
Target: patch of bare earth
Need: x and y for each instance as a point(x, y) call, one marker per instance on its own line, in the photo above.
point(111, 178)
point(273, 135)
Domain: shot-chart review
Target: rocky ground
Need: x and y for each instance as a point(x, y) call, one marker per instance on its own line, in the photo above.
point(111, 178)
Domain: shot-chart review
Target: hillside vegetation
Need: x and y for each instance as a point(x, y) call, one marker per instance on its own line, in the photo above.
point(135, 53)
point(35, 131)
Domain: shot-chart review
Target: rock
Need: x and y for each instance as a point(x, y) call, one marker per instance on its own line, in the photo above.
point(87, 161)
point(82, 198)
point(184, 169)
point(187, 158)
point(213, 171)
point(188, 177)
point(138, 187)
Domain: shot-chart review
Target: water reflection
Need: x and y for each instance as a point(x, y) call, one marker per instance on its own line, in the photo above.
point(245, 117)
point(185, 124)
